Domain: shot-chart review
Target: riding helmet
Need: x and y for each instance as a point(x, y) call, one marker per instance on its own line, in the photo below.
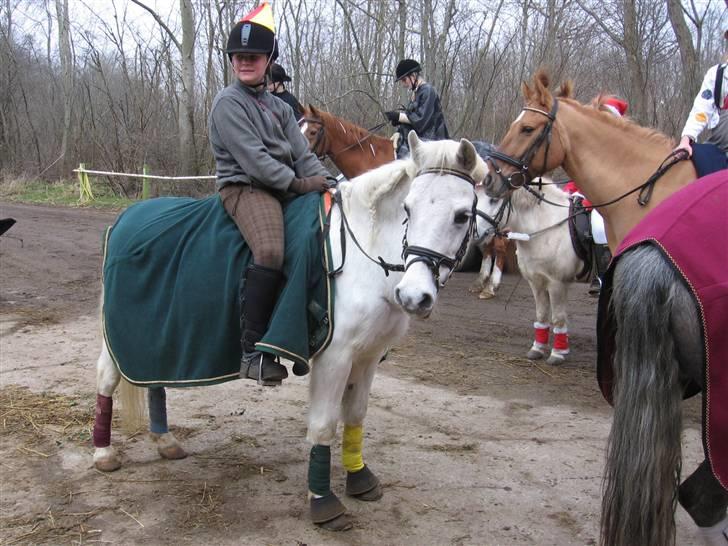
point(254, 33)
point(278, 74)
point(406, 67)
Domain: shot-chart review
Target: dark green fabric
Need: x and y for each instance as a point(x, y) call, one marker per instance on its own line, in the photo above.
point(319, 470)
point(172, 273)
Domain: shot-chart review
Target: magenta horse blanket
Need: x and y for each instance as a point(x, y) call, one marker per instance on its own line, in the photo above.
point(690, 227)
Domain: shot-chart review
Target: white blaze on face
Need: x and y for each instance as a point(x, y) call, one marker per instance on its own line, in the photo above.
point(304, 126)
point(519, 117)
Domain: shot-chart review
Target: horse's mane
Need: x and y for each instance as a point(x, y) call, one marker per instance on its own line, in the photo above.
point(645, 133)
point(372, 186)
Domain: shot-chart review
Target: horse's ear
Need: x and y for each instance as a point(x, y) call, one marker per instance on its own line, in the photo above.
point(314, 111)
point(414, 144)
point(466, 156)
point(566, 90)
point(541, 83)
point(527, 91)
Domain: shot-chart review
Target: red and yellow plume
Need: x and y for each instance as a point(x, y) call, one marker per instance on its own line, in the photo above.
point(262, 15)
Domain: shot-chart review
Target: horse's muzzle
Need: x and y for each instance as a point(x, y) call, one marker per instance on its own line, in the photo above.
point(414, 301)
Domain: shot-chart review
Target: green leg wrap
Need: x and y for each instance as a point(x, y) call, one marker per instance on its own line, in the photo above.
point(319, 470)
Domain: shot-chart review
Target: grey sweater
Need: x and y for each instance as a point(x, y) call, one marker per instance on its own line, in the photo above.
point(256, 140)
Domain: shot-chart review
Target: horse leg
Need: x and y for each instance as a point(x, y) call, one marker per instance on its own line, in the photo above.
point(167, 445)
point(107, 379)
point(702, 496)
point(484, 272)
point(328, 380)
point(541, 326)
point(558, 294)
point(361, 483)
point(496, 275)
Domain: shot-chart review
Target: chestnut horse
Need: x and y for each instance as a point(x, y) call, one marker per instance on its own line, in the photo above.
point(658, 345)
point(355, 150)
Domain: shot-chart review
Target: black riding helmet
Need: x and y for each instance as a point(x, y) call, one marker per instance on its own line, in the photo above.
point(406, 67)
point(249, 37)
point(278, 74)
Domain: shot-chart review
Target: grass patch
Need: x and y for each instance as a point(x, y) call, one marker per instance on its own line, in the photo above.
point(64, 193)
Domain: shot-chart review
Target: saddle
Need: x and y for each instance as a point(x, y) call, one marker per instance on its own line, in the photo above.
point(708, 158)
point(581, 234)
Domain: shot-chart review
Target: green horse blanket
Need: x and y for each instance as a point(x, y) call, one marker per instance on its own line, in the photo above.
point(172, 275)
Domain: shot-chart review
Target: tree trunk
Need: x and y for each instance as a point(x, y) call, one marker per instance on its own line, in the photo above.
point(64, 42)
point(690, 75)
point(188, 155)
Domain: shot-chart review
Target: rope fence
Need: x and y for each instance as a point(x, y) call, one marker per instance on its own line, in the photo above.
point(86, 192)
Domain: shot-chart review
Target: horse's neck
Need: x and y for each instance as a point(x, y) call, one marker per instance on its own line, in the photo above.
point(353, 151)
point(529, 214)
point(607, 160)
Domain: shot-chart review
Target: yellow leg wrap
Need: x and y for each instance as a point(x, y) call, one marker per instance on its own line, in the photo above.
point(351, 448)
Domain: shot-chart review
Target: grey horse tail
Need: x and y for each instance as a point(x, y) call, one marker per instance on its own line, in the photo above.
point(642, 471)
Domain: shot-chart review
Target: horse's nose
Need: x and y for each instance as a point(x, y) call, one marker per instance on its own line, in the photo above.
point(414, 301)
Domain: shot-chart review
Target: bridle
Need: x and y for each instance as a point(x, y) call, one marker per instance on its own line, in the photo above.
point(431, 258)
point(522, 177)
point(435, 260)
point(320, 153)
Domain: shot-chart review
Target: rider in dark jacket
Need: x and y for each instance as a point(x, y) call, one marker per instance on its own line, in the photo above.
point(423, 113)
point(277, 87)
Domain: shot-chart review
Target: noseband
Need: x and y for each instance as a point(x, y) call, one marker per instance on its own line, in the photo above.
point(522, 176)
point(435, 260)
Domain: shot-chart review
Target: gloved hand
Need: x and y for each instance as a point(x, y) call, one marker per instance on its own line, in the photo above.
point(309, 184)
point(393, 117)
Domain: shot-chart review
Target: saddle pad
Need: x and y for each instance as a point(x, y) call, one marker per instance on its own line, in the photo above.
point(708, 158)
point(690, 228)
point(172, 273)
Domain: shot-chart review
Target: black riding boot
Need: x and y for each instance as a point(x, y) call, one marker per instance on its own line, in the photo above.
point(602, 256)
point(257, 300)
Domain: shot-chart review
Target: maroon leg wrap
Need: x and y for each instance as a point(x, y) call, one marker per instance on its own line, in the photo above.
point(102, 423)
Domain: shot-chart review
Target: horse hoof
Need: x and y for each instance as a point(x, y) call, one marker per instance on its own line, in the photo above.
point(363, 485)
point(328, 513)
point(107, 465)
point(533, 354)
point(486, 295)
point(555, 360)
point(338, 524)
point(172, 452)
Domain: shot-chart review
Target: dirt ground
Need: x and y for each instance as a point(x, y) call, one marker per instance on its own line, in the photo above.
point(474, 444)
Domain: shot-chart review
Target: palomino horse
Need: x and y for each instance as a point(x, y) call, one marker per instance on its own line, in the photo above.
point(355, 150)
point(659, 345)
point(547, 259)
point(367, 322)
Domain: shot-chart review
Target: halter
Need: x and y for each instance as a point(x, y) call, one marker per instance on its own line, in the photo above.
point(521, 177)
point(433, 259)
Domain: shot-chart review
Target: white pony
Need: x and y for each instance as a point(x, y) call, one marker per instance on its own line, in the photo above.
point(367, 318)
point(547, 260)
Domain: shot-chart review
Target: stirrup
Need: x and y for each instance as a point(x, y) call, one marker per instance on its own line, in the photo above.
point(266, 371)
point(595, 287)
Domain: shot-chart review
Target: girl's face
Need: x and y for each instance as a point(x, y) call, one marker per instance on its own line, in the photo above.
point(250, 67)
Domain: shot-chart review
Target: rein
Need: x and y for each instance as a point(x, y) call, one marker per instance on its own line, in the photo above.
point(431, 258)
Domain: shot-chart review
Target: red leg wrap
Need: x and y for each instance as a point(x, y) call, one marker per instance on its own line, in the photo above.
point(102, 423)
point(561, 340)
point(542, 335)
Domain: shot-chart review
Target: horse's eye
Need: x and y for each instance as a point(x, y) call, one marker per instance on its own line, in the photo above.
point(462, 218)
point(493, 200)
point(526, 129)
